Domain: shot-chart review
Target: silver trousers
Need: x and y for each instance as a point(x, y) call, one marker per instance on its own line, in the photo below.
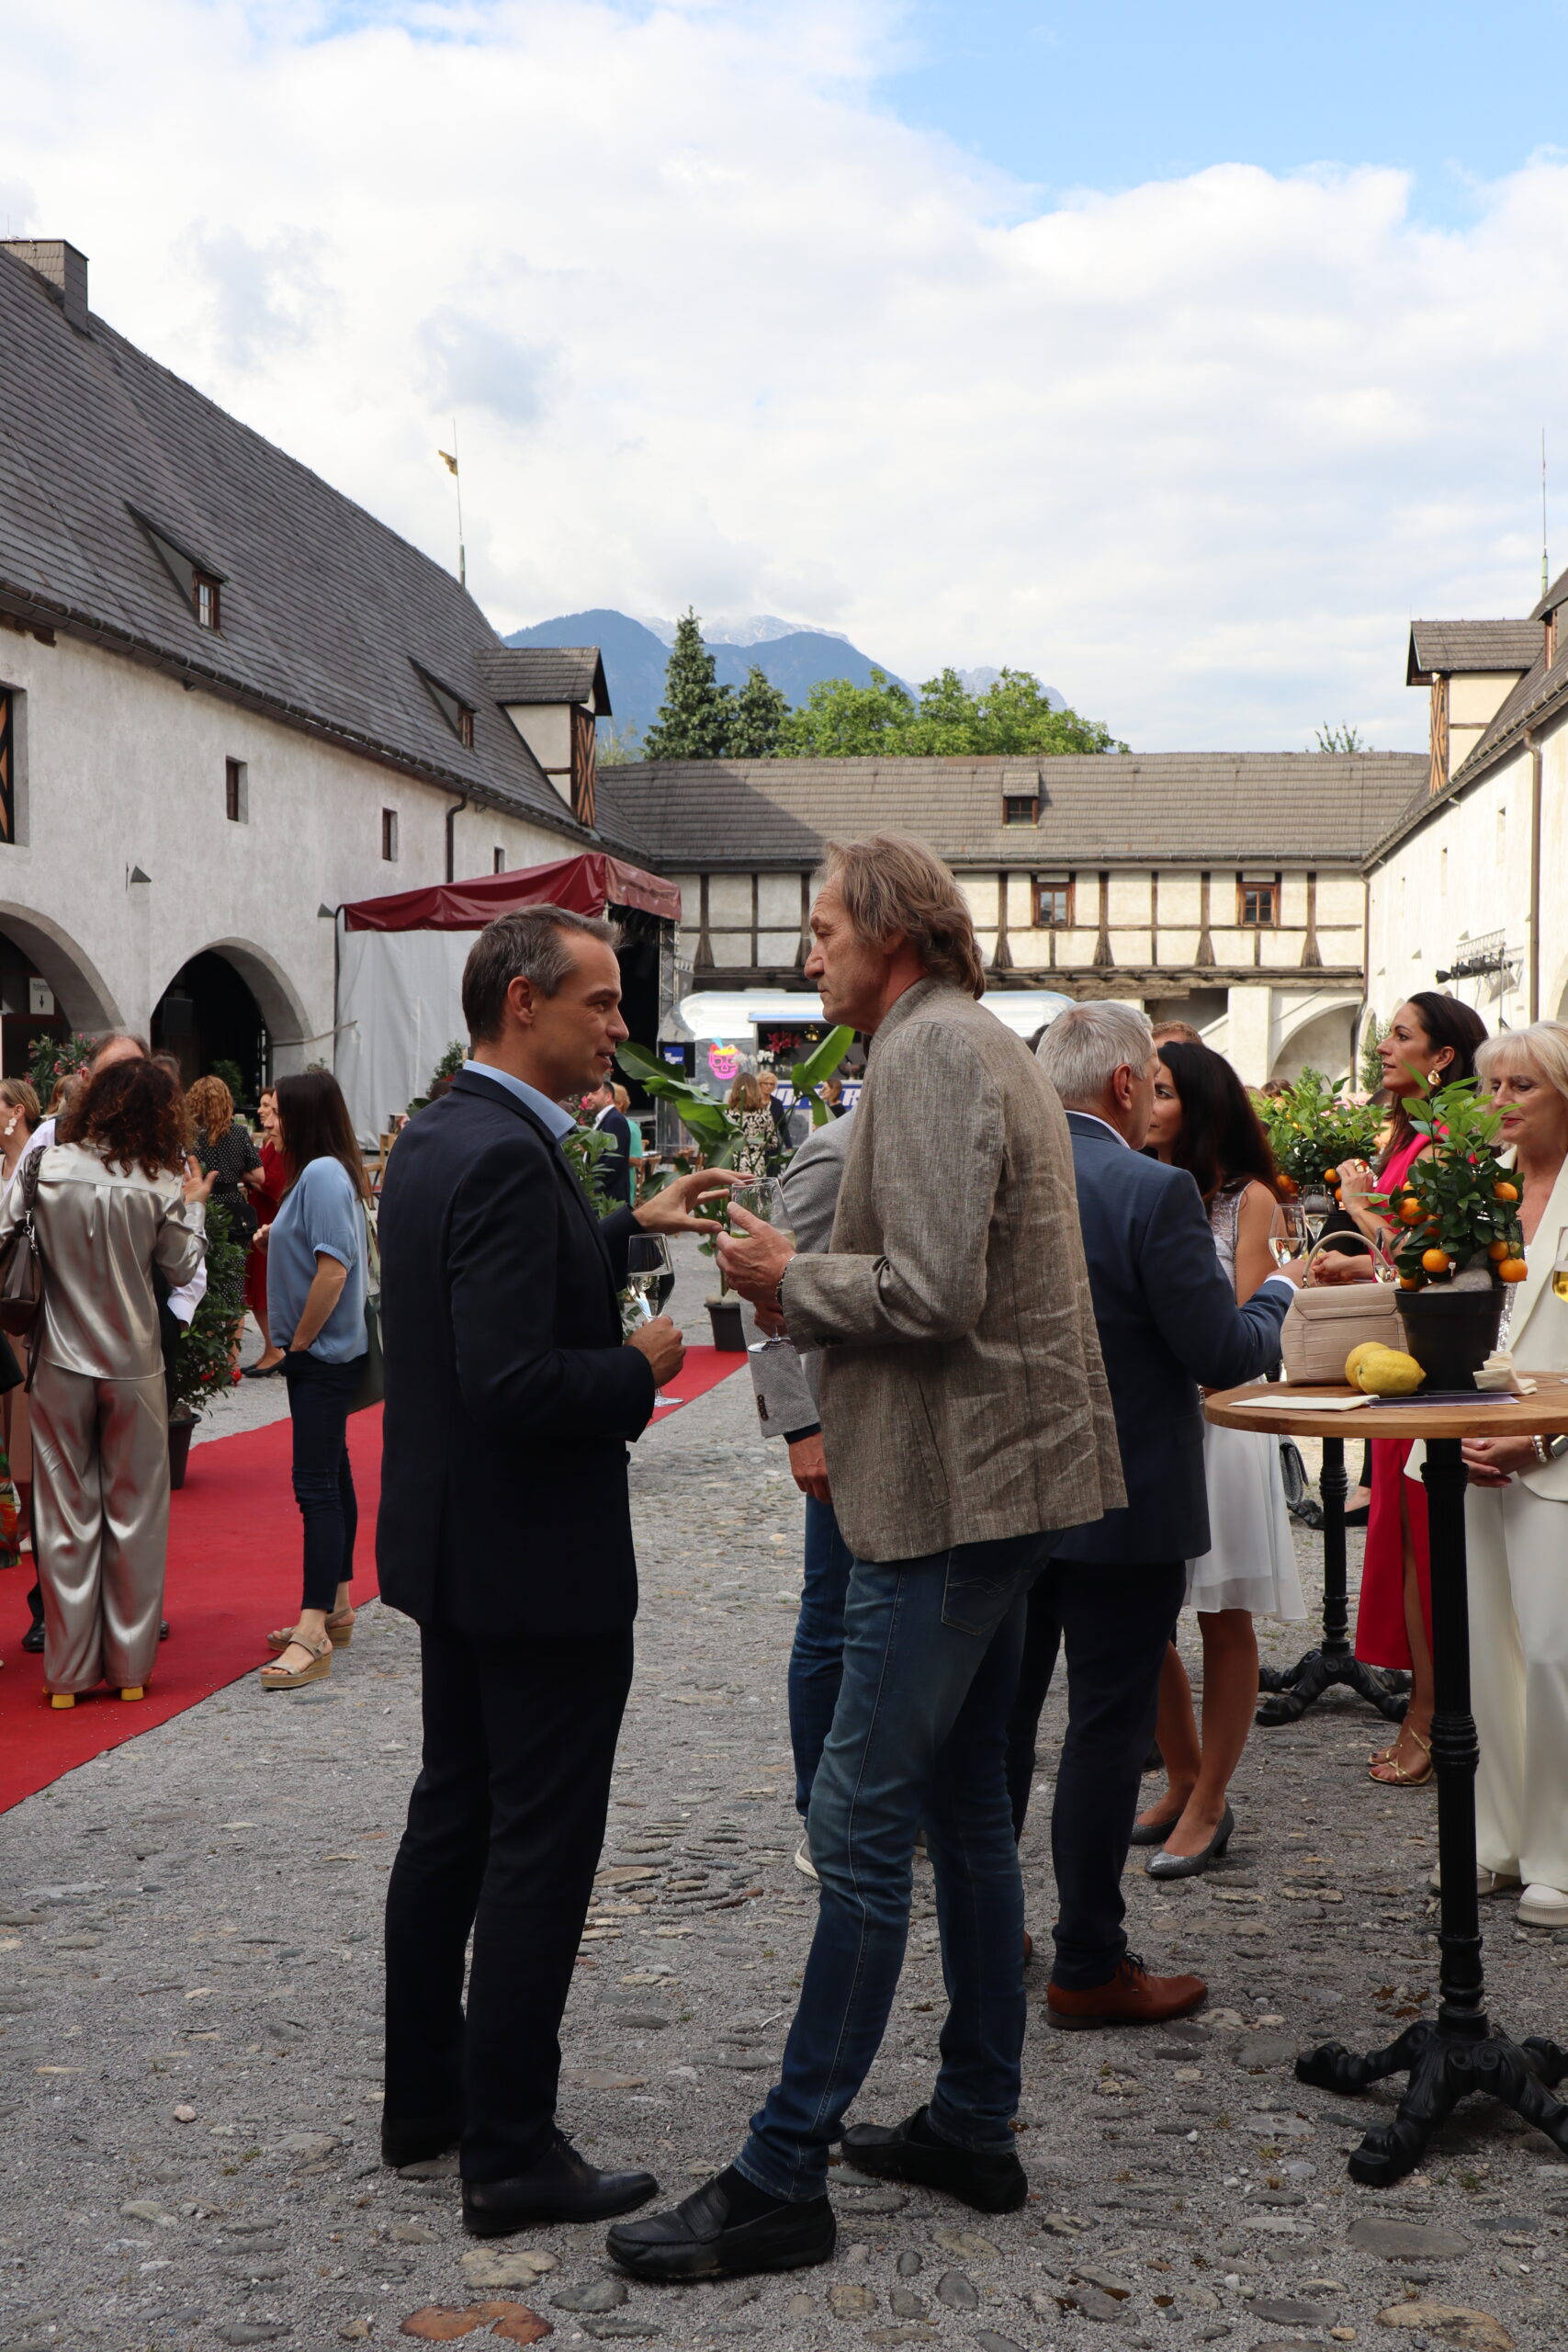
point(100, 1524)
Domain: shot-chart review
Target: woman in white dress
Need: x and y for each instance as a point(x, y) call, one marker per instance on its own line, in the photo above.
point(1205, 1122)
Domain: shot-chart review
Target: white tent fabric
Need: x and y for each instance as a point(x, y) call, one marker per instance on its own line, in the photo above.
point(399, 1006)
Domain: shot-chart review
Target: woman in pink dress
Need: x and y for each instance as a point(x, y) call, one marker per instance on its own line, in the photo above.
point(1431, 1043)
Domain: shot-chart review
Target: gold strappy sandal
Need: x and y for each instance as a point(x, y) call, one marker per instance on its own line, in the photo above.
point(1393, 1774)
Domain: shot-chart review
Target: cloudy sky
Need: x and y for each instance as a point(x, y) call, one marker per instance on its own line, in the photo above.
point(1179, 355)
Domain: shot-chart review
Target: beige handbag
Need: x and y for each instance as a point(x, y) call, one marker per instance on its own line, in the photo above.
point(1323, 1325)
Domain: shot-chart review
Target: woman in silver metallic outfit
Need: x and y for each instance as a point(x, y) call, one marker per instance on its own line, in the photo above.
point(110, 1205)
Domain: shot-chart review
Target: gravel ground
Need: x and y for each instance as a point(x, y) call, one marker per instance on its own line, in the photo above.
point(190, 2116)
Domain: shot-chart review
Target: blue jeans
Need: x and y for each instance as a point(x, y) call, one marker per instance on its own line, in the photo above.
point(319, 1397)
point(931, 1659)
point(817, 1661)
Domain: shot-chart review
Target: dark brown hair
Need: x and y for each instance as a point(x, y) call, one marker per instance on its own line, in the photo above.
point(1220, 1140)
point(532, 944)
point(1448, 1022)
point(132, 1116)
point(313, 1123)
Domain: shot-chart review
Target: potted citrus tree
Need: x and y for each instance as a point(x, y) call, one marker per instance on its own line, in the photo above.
point(1462, 1244)
point(203, 1361)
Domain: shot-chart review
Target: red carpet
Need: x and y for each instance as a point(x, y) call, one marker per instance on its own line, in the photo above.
point(233, 1572)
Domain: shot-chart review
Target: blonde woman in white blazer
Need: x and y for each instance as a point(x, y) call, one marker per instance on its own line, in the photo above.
point(1517, 1518)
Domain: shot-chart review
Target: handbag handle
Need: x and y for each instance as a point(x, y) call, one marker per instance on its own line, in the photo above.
point(1330, 1241)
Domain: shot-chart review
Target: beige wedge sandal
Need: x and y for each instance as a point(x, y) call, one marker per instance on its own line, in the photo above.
point(340, 1631)
point(283, 1678)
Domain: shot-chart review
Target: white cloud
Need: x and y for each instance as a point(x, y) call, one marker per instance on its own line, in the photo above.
point(720, 330)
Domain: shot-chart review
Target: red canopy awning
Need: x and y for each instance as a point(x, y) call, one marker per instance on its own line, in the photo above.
point(584, 885)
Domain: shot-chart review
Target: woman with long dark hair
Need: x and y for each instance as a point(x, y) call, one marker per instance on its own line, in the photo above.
point(317, 1251)
point(1431, 1044)
point(112, 1208)
point(1205, 1122)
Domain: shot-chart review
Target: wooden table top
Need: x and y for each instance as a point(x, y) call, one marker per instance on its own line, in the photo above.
point(1543, 1415)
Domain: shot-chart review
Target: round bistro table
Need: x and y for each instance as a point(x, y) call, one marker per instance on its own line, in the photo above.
point(1460, 2052)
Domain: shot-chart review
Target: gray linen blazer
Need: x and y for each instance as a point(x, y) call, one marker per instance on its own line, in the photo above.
point(785, 1378)
point(963, 1395)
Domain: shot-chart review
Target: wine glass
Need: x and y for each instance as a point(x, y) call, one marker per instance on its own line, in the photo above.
point(648, 1264)
point(1560, 1268)
point(1316, 1209)
point(764, 1198)
point(1287, 1232)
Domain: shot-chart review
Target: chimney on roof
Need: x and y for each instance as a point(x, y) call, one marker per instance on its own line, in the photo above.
point(59, 265)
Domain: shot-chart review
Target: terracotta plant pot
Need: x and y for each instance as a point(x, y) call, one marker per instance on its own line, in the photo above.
point(728, 1330)
point(179, 1451)
point(1451, 1333)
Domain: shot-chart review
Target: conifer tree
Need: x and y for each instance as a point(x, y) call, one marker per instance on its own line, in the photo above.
point(760, 711)
point(695, 717)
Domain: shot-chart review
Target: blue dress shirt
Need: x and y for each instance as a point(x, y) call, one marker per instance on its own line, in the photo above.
point(559, 1123)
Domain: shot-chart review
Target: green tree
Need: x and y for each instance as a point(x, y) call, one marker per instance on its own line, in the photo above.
point(695, 716)
point(759, 714)
point(1012, 714)
point(1341, 740)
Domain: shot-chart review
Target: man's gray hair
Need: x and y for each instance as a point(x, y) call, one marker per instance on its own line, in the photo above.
point(1086, 1046)
point(533, 945)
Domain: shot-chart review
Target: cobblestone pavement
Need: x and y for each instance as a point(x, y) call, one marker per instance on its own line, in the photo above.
point(190, 1989)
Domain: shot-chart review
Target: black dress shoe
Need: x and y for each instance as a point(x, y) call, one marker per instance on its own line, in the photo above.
point(911, 2151)
point(419, 2139)
point(33, 1641)
point(562, 2186)
point(699, 2241)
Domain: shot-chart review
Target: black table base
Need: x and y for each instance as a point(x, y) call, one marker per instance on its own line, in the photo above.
point(1443, 2067)
point(1334, 1663)
point(1461, 2053)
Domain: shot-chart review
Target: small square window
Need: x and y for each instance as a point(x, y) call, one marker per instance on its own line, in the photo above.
point(236, 804)
point(1020, 809)
point(389, 835)
point(499, 863)
point(1259, 905)
point(1053, 906)
point(205, 590)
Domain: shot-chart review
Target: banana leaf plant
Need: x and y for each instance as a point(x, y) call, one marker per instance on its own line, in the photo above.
point(708, 1121)
point(806, 1077)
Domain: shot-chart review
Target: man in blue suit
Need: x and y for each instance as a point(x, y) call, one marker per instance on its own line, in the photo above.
point(1169, 1325)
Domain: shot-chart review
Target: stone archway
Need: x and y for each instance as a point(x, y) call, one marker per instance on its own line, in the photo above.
point(34, 952)
point(230, 1004)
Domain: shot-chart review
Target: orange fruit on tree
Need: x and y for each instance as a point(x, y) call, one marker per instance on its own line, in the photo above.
point(1498, 1250)
point(1410, 1210)
point(1435, 1262)
point(1505, 1191)
point(1408, 1282)
point(1512, 1270)
point(1331, 1178)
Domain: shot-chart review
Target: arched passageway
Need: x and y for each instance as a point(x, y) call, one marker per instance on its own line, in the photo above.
point(48, 988)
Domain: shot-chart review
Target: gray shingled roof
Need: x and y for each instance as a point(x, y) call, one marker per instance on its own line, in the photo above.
point(534, 673)
point(1540, 694)
point(324, 612)
point(1454, 648)
point(1180, 807)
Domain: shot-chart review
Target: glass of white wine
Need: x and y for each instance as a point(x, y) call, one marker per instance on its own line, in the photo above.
point(648, 1264)
point(1316, 1209)
point(1287, 1233)
point(1560, 1267)
point(764, 1198)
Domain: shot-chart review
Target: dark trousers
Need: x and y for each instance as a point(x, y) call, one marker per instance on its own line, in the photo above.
point(1114, 1621)
point(817, 1658)
point(504, 1830)
point(319, 1397)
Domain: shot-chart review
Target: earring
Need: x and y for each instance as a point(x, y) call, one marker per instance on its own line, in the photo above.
point(1433, 1075)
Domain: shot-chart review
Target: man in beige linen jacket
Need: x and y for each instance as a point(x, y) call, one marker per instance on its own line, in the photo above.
point(966, 1422)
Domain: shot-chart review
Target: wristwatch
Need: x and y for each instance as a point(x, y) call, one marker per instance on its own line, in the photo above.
point(1549, 1449)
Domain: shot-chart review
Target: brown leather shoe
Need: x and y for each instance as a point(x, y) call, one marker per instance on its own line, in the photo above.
point(1132, 1997)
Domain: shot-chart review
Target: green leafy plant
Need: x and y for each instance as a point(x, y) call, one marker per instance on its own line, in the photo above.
point(231, 1076)
point(707, 1121)
point(452, 1060)
point(203, 1364)
point(1459, 1204)
point(806, 1077)
point(1371, 1063)
point(52, 1059)
point(1314, 1126)
point(585, 1147)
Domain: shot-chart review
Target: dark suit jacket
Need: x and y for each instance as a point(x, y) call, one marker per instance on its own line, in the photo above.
point(1168, 1321)
point(509, 1398)
point(616, 1166)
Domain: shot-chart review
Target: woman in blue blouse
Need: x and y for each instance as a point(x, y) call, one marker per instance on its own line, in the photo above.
point(317, 1265)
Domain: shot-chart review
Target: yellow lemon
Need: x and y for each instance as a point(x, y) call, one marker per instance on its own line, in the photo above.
point(1358, 1356)
point(1390, 1373)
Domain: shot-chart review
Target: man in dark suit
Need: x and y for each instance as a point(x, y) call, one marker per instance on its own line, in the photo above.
point(615, 1165)
point(1168, 1321)
point(505, 1532)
